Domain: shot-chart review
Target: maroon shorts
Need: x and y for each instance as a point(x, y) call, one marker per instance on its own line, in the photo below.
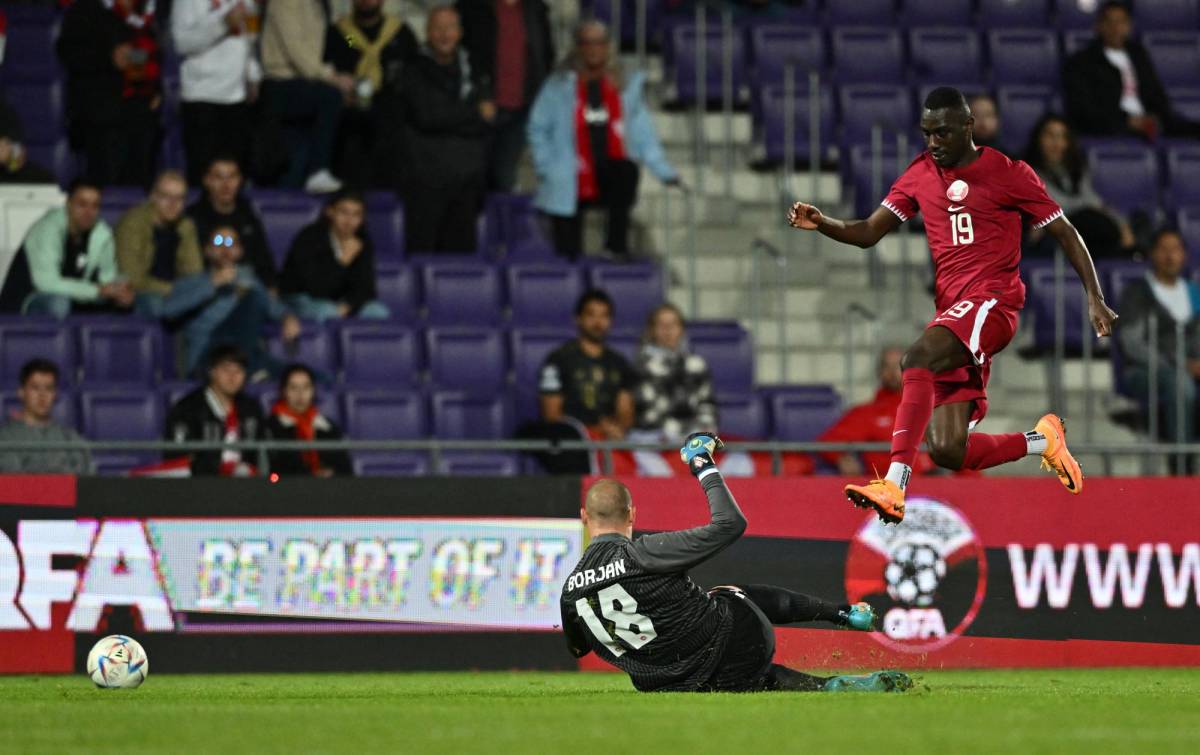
point(985, 327)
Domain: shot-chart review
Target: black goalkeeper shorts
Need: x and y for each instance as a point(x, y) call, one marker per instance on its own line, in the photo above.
point(747, 657)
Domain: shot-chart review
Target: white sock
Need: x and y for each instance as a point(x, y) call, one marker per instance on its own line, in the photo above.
point(899, 474)
point(1035, 443)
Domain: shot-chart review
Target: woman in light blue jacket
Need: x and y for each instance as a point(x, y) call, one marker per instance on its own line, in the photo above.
point(588, 130)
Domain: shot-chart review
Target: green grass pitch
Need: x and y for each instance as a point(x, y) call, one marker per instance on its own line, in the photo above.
point(1056, 711)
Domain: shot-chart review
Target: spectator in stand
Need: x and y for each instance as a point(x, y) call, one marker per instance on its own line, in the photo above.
point(1174, 302)
point(218, 79)
point(588, 130)
point(1111, 87)
point(330, 269)
point(510, 46)
point(157, 244)
point(34, 424)
point(1054, 154)
point(871, 423)
point(674, 394)
point(15, 167)
point(67, 262)
point(222, 204)
point(446, 120)
point(301, 92)
point(373, 47)
point(987, 121)
point(218, 411)
point(295, 416)
point(110, 50)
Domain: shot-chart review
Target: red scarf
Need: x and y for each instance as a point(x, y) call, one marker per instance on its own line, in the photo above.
point(588, 188)
point(231, 460)
point(140, 81)
point(304, 431)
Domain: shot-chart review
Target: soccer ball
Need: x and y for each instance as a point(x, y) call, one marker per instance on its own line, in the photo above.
point(914, 573)
point(118, 662)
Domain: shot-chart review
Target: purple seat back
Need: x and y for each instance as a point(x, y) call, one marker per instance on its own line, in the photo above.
point(461, 416)
point(23, 338)
point(1188, 222)
point(379, 353)
point(940, 55)
point(385, 415)
point(803, 417)
point(1022, 56)
point(770, 120)
point(626, 343)
point(121, 414)
point(1076, 15)
point(741, 415)
point(471, 360)
point(774, 47)
point(386, 229)
point(636, 289)
point(1183, 172)
point(729, 353)
point(867, 195)
point(867, 105)
point(461, 294)
point(1041, 303)
point(120, 350)
point(543, 295)
point(40, 105)
point(937, 12)
point(1021, 107)
point(479, 464)
point(530, 347)
point(1125, 175)
point(1166, 15)
point(314, 348)
point(1024, 14)
point(396, 286)
point(860, 13)
point(1186, 101)
point(390, 464)
point(1176, 55)
point(870, 55)
point(283, 219)
point(685, 41)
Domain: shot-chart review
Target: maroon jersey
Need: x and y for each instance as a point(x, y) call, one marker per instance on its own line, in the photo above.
point(973, 219)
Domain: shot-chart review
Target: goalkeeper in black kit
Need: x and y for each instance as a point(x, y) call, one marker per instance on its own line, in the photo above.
point(633, 604)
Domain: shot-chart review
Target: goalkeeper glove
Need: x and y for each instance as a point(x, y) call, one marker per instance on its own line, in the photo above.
point(859, 616)
point(698, 450)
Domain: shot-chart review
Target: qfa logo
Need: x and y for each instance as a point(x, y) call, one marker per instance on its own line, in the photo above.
point(927, 577)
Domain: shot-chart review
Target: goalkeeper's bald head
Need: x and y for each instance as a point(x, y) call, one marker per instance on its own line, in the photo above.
point(608, 507)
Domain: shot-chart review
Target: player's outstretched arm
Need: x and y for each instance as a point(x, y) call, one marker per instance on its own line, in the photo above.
point(861, 233)
point(668, 552)
point(1072, 243)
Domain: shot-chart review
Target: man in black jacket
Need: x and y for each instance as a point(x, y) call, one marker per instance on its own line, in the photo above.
point(218, 411)
point(1111, 87)
point(446, 121)
point(222, 204)
point(114, 94)
point(511, 50)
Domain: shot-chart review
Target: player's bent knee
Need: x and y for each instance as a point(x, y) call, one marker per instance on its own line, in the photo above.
point(948, 453)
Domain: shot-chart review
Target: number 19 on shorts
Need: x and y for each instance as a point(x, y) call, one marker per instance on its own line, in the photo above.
point(961, 230)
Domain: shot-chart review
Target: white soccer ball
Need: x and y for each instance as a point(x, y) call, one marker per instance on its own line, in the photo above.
point(914, 573)
point(118, 662)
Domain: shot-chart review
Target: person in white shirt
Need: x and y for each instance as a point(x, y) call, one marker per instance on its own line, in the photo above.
point(218, 79)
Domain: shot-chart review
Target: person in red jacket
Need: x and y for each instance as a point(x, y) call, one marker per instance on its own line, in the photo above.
point(871, 422)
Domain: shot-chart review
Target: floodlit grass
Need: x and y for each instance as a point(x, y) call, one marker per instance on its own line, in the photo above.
point(1089, 711)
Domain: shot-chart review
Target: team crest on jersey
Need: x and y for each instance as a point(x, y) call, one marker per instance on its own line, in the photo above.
point(926, 577)
point(957, 191)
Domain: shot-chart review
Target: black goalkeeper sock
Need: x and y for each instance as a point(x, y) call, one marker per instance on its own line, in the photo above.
point(783, 679)
point(783, 606)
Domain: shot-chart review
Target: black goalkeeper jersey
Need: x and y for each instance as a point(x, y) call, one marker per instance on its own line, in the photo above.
point(633, 604)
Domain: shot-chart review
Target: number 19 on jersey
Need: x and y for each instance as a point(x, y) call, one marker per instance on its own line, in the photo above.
point(961, 230)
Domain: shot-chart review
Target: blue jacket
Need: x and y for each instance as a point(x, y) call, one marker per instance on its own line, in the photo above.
point(551, 133)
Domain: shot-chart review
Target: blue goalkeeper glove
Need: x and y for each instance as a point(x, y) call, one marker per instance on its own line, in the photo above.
point(859, 616)
point(698, 450)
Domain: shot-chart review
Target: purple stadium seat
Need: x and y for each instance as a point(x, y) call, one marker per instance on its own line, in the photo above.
point(396, 286)
point(603, 10)
point(1186, 101)
point(937, 12)
point(774, 47)
point(729, 352)
point(392, 464)
point(1176, 55)
point(524, 237)
point(459, 416)
point(530, 347)
point(635, 290)
point(479, 464)
point(1076, 14)
point(867, 195)
point(57, 158)
point(769, 134)
point(379, 353)
point(1188, 221)
point(119, 350)
point(473, 360)
point(1117, 274)
point(117, 200)
point(1183, 168)
point(1165, 15)
point(1020, 109)
point(685, 42)
point(741, 415)
point(1076, 39)
point(1024, 14)
point(29, 45)
point(867, 105)
point(40, 104)
point(283, 218)
point(860, 13)
point(313, 348)
point(544, 295)
point(121, 414)
point(23, 338)
point(386, 228)
point(803, 416)
point(1023, 56)
point(385, 415)
point(1125, 175)
point(1041, 304)
point(462, 294)
point(625, 342)
point(941, 55)
point(874, 55)
point(64, 411)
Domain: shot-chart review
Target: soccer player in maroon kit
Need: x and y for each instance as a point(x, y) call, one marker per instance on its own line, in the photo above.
point(974, 200)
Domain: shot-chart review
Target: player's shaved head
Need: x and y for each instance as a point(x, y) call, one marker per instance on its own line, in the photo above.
point(608, 505)
point(947, 98)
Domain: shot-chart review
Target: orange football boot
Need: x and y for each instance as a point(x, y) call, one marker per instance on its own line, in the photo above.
point(1056, 457)
point(884, 496)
